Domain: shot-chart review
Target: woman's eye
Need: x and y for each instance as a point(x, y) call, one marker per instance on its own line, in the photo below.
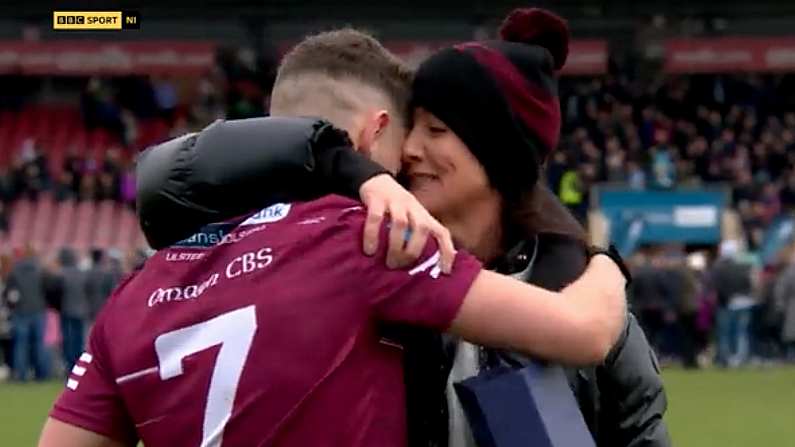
point(437, 129)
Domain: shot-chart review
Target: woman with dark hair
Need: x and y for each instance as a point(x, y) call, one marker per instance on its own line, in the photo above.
point(486, 118)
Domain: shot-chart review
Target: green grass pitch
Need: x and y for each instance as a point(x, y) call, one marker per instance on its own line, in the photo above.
point(739, 408)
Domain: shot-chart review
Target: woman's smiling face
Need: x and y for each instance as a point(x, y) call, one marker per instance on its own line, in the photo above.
point(442, 172)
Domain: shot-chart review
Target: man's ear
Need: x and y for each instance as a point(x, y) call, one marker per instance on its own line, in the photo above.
point(373, 128)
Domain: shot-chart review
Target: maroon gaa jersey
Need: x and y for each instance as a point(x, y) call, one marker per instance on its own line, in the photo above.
point(261, 333)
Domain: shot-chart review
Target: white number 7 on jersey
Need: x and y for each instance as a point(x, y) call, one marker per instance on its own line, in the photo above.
point(234, 331)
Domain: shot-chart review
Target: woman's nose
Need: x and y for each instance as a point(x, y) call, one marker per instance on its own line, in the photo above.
point(412, 148)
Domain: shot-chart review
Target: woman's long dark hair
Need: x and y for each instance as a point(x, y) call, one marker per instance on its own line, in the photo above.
point(539, 211)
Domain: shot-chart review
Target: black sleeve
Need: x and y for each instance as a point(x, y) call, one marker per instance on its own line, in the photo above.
point(633, 400)
point(234, 167)
point(631, 397)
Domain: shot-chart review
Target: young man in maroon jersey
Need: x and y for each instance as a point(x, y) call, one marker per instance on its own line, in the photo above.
point(264, 330)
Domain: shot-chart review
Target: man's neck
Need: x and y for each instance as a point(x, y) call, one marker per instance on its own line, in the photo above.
point(478, 230)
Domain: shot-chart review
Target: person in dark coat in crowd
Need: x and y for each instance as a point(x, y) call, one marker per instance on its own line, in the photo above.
point(72, 290)
point(732, 282)
point(3, 219)
point(785, 302)
point(646, 297)
point(7, 190)
point(25, 295)
point(477, 169)
point(97, 283)
point(114, 272)
point(681, 312)
point(6, 349)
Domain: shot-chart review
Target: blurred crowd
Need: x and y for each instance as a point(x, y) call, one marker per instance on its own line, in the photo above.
point(698, 309)
point(136, 111)
point(681, 131)
point(47, 307)
point(236, 88)
point(109, 176)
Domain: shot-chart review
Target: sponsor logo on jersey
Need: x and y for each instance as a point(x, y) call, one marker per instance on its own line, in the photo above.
point(183, 256)
point(432, 264)
point(273, 213)
point(208, 236)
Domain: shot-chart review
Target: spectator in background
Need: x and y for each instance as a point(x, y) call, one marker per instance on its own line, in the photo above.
point(64, 187)
point(106, 189)
point(90, 103)
point(705, 315)
point(7, 192)
point(25, 295)
point(32, 183)
point(572, 191)
point(127, 192)
point(663, 167)
point(670, 286)
point(88, 187)
point(686, 309)
point(635, 175)
point(615, 162)
point(209, 104)
point(556, 167)
point(100, 282)
point(6, 349)
point(100, 108)
point(3, 220)
point(784, 296)
point(72, 287)
point(112, 165)
point(165, 98)
point(115, 271)
point(74, 164)
point(130, 124)
point(769, 203)
point(733, 286)
point(34, 166)
point(768, 317)
point(646, 297)
point(787, 194)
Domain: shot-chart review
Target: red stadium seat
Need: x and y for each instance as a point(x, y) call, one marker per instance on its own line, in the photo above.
point(84, 225)
point(63, 229)
point(42, 221)
point(106, 224)
point(126, 235)
point(21, 219)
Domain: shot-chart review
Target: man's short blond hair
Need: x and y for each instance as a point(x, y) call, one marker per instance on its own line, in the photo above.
point(333, 71)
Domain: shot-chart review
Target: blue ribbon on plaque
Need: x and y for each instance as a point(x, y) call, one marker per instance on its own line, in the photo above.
point(530, 406)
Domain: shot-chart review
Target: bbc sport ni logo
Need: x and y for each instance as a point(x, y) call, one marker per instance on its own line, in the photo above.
point(95, 20)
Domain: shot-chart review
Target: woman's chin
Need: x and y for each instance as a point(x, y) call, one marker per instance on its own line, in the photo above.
point(423, 195)
point(431, 202)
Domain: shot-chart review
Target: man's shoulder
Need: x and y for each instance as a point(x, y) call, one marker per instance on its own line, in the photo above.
point(326, 207)
point(335, 206)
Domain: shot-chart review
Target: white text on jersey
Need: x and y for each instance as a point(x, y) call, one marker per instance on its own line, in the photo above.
point(244, 264)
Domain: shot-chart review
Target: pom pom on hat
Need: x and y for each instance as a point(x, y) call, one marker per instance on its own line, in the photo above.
point(536, 26)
